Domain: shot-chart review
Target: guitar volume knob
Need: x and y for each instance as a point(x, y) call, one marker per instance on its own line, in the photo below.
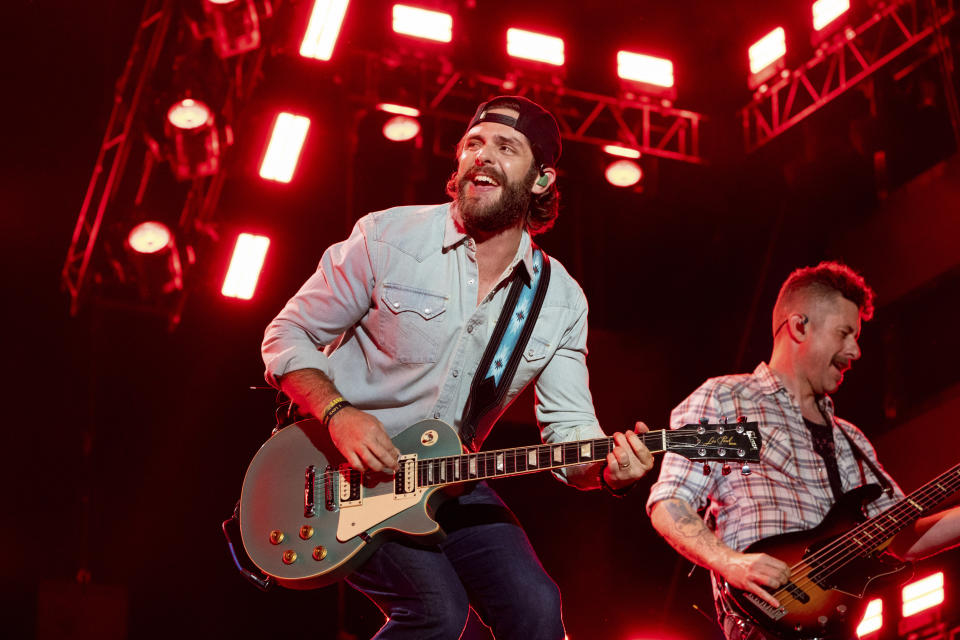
point(276, 536)
point(289, 556)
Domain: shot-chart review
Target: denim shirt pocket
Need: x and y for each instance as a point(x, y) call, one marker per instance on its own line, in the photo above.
point(412, 329)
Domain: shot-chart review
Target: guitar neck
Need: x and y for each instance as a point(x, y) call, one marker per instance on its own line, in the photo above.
point(501, 463)
point(873, 533)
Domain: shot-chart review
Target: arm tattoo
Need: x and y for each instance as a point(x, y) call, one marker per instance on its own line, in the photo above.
point(689, 527)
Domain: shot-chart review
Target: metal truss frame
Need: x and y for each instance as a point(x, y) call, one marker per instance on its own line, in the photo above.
point(122, 137)
point(117, 144)
point(650, 126)
point(854, 55)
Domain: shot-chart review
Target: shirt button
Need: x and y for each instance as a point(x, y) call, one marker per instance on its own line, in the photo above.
point(470, 281)
point(470, 328)
point(456, 372)
point(436, 415)
point(396, 304)
point(427, 310)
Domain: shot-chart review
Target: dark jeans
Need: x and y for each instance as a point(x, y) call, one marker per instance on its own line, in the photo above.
point(485, 561)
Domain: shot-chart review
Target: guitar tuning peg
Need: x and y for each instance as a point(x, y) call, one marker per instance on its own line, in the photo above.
point(745, 470)
point(706, 469)
point(704, 421)
point(723, 419)
point(741, 419)
point(725, 469)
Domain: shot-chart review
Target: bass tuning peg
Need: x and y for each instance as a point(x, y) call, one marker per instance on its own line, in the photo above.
point(725, 469)
point(745, 470)
point(706, 469)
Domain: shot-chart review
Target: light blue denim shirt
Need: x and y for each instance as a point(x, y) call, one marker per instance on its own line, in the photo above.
point(391, 316)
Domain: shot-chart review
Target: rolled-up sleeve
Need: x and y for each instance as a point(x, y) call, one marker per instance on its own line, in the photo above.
point(680, 478)
point(564, 406)
point(332, 300)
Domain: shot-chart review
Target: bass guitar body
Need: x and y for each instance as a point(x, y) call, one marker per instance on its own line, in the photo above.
point(308, 520)
point(824, 597)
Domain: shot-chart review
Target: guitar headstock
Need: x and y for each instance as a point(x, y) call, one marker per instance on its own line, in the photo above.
point(717, 442)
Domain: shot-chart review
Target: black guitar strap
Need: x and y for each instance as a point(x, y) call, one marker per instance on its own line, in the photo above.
point(505, 348)
point(860, 455)
point(881, 478)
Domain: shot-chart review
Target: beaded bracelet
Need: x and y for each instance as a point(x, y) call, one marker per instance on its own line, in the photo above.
point(335, 406)
point(618, 493)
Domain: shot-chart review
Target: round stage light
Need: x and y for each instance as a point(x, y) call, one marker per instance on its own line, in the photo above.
point(189, 114)
point(623, 173)
point(149, 237)
point(401, 128)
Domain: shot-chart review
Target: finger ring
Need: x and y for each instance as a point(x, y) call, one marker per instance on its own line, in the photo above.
point(624, 465)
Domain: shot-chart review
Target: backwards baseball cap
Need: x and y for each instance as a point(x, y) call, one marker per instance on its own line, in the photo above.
point(533, 121)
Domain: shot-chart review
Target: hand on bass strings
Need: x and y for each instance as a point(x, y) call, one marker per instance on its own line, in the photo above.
point(361, 439)
point(758, 573)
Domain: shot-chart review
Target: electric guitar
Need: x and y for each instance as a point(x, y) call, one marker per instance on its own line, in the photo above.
point(307, 519)
point(834, 564)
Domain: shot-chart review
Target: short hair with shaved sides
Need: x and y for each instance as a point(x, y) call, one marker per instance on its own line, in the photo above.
point(821, 282)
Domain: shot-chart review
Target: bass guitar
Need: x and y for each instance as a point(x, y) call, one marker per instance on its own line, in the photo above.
point(307, 519)
point(833, 565)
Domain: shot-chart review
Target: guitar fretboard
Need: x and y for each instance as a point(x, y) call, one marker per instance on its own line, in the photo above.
point(867, 537)
point(871, 534)
point(508, 462)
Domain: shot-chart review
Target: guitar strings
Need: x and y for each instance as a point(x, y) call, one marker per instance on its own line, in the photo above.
point(848, 549)
point(600, 447)
point(840, 559)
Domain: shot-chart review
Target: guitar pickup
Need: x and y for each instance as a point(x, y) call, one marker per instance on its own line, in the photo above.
point(797, 592)
point(405, 480)
point(349, 486)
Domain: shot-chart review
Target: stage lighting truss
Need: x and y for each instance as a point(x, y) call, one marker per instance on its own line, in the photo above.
point(648, 125)
point(112, 191)
point(841, 64)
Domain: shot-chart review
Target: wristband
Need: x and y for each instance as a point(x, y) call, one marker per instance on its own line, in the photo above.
point(336, 405)
point(618, 493)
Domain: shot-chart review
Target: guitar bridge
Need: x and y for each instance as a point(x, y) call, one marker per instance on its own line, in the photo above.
point(764, 606)
point(331, 484)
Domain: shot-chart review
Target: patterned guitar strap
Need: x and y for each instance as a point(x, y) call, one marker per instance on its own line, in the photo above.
point(505, 348)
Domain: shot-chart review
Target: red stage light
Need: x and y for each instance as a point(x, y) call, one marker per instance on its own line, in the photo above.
point(283, 151)
point(768, 50)
point(638, 67)
point(923, 594)
point(872, 618)
point(535, 46)
point(826, 11)
point(401, 128)
point(234, 25)
point(421, 23)
point(624, 173)
point(399, 110)
point(189, 114)
point(323, 28)
point(245, 266)
point(622, 152)
point(149, 237)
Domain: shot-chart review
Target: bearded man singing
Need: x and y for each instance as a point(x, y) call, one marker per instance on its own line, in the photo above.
point(394, 327)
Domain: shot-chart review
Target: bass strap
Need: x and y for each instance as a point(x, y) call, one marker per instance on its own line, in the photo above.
point(510, 336)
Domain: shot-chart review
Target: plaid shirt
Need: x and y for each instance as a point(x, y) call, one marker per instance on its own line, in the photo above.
point(789, 489)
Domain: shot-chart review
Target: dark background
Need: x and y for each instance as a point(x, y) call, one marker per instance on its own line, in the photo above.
point(127, 443)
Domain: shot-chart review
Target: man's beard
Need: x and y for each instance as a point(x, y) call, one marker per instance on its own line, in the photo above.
point(503, 213)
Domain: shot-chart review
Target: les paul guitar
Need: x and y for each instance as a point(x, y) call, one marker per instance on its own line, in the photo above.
point(307, 519)
point(833, 565)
